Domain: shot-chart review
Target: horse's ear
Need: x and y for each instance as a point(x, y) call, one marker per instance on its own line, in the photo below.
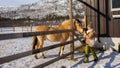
point(78, 20)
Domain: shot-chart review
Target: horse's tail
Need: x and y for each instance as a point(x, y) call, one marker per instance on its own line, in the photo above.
point(34, 42)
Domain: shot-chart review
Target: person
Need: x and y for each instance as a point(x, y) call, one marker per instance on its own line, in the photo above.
point(89, 36)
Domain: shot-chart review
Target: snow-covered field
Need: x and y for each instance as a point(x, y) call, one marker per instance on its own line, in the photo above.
point(16, 29)
point(14, 46)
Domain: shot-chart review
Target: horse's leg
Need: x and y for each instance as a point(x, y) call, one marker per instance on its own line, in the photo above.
point(41, 41)
point(61, 52)
point(36, 47)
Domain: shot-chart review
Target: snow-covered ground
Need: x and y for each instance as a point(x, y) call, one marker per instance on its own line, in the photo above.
point(14, 46)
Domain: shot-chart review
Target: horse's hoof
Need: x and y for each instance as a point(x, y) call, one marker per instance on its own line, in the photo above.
point(36, 57)
point(62, 54)
point(44, 57)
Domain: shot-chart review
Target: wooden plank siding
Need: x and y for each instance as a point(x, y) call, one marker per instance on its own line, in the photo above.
point(119, 24)
point(95, 17)
point(102, 21)
point(105, 25)
point(116, 25)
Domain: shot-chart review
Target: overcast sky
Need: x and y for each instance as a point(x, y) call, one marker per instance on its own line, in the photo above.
point(16, 2)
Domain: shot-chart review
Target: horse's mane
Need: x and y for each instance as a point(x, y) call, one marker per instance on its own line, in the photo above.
point(80, 22)
point(63, 22)
point(66, 21)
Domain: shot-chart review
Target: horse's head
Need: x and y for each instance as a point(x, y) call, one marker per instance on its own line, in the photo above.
point(78, 25)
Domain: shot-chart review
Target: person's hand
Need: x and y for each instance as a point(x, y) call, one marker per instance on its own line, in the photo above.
point(84, 34)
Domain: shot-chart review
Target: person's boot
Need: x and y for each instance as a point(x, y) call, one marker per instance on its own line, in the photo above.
point(86, 60)
point(94, 54)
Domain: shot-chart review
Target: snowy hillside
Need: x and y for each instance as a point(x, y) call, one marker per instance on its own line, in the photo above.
point(40, 9)
point(7, 9)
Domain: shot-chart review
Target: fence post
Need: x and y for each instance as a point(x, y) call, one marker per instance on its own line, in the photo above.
point(22, 28)
point(1, 29)
point(13, 28)
point(27, 28)
point(119, 47)
point(31, 27)
point(71, 25)
point(85, 22)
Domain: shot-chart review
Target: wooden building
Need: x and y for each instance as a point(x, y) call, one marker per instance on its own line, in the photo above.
point(105, 14)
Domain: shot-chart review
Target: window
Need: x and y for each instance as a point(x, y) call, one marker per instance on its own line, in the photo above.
point(115, 5)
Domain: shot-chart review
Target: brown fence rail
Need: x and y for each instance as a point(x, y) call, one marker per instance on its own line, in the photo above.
point(29, 34)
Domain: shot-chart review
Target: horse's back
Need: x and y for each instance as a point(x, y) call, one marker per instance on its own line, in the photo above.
point(41, 28)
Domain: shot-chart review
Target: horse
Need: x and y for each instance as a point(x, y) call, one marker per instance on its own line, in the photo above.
point(38, 41)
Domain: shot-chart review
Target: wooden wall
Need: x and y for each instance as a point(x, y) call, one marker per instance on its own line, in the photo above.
point(99, 12)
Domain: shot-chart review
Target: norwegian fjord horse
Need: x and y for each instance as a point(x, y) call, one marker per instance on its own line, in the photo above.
point(58, 37)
